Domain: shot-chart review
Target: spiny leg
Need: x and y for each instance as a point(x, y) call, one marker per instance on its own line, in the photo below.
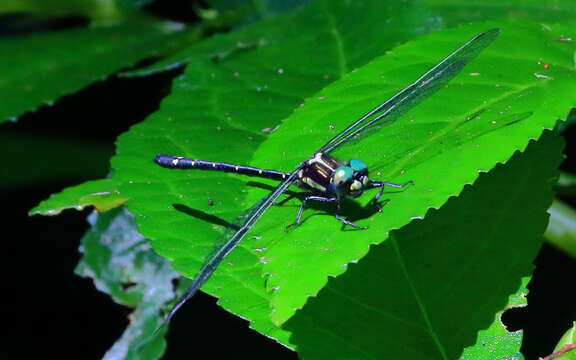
point(323, 199)
point(381, 184)
point(303, 204)
point(346, 222)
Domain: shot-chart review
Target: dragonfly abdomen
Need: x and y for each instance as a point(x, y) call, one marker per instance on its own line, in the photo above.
point(179, 162)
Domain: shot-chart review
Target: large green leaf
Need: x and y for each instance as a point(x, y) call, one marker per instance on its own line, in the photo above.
point(441, 145)
point(37, 69)
point(216, 113)
point(427, 291)
point(236, 87)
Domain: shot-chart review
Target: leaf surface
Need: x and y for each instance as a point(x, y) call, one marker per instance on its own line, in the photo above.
point(427, 291)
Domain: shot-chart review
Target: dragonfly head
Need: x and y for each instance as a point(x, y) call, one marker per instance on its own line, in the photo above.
point(352, 178)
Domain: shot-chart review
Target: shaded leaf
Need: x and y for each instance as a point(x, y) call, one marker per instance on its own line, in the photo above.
point(427, 291)
point(332, 29)
point(102, 194)
point(51, 8)
point(133, 4)
point(72, 59)
point(30, 166)
point(567, 185)
point(122, 264)
point(238, 12)
point(561, 231)
point(496, 342)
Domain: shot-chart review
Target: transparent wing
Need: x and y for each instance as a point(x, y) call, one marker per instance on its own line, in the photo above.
point(433, 80)
point(246, 222)
point(425, 141)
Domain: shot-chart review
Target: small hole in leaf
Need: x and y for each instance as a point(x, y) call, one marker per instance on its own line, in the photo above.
point(514, 319)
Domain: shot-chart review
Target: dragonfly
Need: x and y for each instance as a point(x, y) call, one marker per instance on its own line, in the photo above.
point(326, 178)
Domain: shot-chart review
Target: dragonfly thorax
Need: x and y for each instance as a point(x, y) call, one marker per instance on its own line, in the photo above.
point(325, 174)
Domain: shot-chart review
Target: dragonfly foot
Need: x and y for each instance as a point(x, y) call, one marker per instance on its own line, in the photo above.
point(346, 222)
point(379, 204)
point(292, 226)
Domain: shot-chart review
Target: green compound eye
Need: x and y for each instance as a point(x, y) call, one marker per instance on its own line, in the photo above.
point(357, 165)
point(342, 174)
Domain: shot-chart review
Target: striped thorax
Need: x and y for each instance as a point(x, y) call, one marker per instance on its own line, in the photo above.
point(325, 174)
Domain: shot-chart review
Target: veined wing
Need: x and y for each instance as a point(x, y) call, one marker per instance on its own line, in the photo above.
point(216, 258)
point(422, 142)
point(432, 81)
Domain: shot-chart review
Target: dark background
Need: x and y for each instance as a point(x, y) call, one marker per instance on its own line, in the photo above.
point(48, 311)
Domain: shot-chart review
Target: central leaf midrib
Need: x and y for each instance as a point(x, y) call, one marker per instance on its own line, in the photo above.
point(421, 307)
point(340, 52)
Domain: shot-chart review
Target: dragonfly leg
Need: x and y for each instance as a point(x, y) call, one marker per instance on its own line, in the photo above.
point(346, 222)
point(324, 199)
point(303, 205)
point(381, 184)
